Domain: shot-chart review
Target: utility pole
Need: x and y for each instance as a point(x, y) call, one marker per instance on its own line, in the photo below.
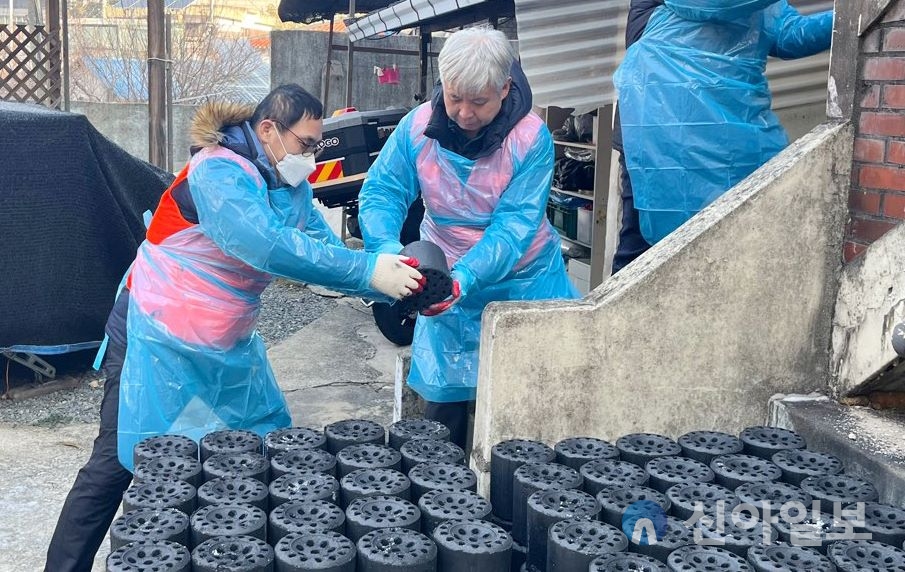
point(157, 84)
point(168, 32)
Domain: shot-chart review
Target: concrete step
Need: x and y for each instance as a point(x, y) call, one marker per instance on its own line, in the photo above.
point(870, 443)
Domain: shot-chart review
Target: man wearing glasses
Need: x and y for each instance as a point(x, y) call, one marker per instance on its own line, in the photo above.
point(238, 214)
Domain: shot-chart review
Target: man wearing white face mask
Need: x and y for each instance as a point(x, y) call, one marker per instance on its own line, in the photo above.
point(238, 214)
point(294, 168)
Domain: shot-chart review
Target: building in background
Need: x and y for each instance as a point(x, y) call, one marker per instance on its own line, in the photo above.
point(218, 49)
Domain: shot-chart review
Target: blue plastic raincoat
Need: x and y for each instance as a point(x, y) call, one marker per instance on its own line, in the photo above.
point(194, 362)
point(694, 100)
point(488, 216)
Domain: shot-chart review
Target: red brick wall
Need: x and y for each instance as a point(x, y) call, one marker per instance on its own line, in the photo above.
point(877, 200)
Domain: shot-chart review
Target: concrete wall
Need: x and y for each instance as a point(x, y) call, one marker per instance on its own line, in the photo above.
point(126, 124)
point(299, 56)
point(698, 333)
point(871, 302)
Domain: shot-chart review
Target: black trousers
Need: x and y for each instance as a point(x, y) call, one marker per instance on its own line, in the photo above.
point(454, 415)
point(98, 489)
point(631, 243)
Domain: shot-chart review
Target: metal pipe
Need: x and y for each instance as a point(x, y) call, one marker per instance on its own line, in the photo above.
point(389, 51)
point(325, 91)
point(424, 56)
point(64, 33)
point(349, 59)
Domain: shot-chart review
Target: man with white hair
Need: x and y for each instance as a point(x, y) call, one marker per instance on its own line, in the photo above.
point(483, 163)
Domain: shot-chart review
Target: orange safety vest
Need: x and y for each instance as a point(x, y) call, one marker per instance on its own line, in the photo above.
point(167, 219)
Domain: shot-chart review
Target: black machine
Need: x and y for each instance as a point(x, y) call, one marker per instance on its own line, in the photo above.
point(351, 143)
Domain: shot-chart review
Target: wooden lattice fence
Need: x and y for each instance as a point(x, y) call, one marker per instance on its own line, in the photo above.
point(30, 65)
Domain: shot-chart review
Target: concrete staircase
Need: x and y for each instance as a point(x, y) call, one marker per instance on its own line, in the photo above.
point(745, 301)
point(870, 443)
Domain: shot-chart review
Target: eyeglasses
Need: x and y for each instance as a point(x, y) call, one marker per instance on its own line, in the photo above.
point(308, 149)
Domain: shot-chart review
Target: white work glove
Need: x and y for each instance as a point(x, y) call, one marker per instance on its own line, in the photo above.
point(396, 276)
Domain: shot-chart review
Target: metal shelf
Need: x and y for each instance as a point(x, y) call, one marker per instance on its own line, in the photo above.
point(572, 240)
point(587, 146)
point(603, 195)
point(587, 196)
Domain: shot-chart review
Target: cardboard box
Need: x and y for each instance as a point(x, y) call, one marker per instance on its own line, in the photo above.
point(580, 273)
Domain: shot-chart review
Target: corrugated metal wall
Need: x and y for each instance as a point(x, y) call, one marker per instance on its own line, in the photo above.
point(570, 49)
point(798, 82)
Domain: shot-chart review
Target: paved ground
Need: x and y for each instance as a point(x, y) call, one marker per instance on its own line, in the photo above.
point(337, 367)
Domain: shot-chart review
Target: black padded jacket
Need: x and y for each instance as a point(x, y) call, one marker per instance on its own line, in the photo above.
point(638, 14)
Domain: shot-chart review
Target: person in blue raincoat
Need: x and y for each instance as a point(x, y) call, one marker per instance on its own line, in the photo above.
point(483, 163)
point(695, 104)
point(240, 213)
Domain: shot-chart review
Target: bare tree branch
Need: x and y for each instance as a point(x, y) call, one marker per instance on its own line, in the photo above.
point(109, 56)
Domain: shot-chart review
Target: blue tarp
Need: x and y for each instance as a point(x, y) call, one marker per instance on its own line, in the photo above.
point(71, 205)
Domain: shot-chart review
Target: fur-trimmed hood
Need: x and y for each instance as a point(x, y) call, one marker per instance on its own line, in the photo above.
point(227, 124)
point(210, 121)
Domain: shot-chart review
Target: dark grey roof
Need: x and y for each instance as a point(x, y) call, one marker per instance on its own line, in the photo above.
point(308, 11)
point(430, 14)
